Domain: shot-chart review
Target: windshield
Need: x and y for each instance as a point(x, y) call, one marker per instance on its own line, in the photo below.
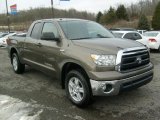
point(78, 29)
point(151, 34)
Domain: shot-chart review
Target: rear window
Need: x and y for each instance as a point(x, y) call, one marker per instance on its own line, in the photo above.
point(133, 36)
point(151, 34)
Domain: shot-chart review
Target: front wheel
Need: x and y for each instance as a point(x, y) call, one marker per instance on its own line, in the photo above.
point(18, 67)
point(77, 88)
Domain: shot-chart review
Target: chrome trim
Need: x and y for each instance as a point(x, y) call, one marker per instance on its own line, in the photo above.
point(121, 53)
point(99, 86)
point(135, 52)
point(119, 56)
point(134, 48)
point(39, 64)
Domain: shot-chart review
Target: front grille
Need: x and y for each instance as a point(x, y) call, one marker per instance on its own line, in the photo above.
point(134, 59)
point(136, 83)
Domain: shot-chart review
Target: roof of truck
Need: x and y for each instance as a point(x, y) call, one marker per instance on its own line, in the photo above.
point(62, 19)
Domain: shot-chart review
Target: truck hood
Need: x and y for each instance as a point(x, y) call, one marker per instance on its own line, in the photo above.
point(107, 45)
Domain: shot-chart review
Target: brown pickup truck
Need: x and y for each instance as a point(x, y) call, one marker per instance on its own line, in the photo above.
point(84, 56)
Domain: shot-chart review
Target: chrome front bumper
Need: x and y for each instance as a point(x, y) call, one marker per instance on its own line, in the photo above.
point(109, 88)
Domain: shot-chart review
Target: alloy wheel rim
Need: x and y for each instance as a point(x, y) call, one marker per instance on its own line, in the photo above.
point(76, 89)
point(15, 63)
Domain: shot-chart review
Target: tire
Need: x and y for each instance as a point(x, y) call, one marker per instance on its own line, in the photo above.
point(18, 67)
point(159, 49)
point(77, 88)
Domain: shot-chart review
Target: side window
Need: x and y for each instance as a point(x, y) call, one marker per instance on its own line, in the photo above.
point(137, 36)
point(128, 36)
point(35, 31)
point(49, 31)
point(140, 32)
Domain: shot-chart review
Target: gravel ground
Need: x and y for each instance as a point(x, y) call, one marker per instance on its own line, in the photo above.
point(36, 96)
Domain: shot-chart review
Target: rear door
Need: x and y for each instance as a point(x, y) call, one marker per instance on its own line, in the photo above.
point(31, 54)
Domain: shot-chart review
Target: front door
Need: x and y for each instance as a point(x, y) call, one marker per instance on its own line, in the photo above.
point(50, 48)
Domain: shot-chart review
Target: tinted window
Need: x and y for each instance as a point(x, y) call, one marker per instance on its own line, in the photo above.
point(24, 35)
point(77, 29)
point(114, 29)
point(137, 36)
point(133, 36)
point(35, 31)
point(128, 36)
point(50, 30)
point(140, 32)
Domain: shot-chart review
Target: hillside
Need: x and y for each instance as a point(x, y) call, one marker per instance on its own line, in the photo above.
point(23, 19)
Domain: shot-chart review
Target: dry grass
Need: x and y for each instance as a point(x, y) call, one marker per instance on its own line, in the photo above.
point(123, 23)
point(127, 24)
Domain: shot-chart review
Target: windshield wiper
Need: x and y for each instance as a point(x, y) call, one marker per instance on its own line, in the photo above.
point(81, 38)
point(98, 35)
point(101, 36)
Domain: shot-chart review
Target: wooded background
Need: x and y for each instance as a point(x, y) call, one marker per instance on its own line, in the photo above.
point(122, 16)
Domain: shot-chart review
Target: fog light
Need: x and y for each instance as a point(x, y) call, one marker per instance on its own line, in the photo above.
point(108, 88)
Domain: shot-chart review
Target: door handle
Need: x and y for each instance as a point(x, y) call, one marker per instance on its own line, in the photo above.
point(39, 44)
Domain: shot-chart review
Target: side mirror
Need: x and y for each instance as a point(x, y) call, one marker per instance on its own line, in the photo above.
point(49, 36)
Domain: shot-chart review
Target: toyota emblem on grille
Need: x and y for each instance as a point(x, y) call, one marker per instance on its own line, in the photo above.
point(139, 60)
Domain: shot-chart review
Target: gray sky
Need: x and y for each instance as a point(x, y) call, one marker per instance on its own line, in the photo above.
point(88, 5)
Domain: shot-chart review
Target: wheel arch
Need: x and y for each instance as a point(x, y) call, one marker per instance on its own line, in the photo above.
point(68, 66)
point(12, 50)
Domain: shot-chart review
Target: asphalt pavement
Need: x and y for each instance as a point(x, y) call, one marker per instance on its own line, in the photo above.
point(36, 96)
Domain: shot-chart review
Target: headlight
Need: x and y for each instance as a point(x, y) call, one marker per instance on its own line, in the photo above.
point(104, 60)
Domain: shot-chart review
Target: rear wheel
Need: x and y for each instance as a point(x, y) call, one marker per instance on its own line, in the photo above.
point(18, 67)
point(77, 88)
